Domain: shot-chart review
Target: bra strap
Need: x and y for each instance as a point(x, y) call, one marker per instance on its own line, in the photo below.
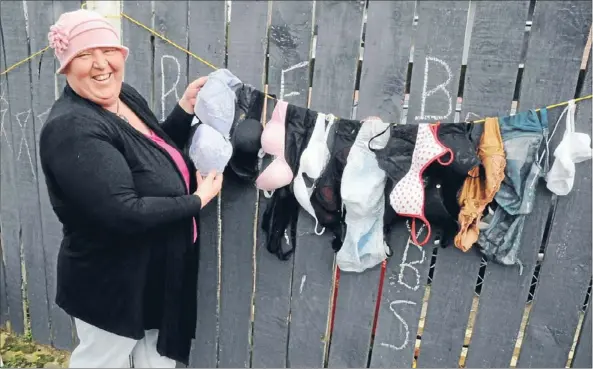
point(316, 225)
point(435, 131)
point(413, 233)
point(375, 136)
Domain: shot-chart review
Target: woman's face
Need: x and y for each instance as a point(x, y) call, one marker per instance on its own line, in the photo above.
point(96, 74)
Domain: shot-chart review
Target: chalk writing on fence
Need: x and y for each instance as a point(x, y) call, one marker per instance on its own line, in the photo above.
point(173, 89)
point(23, 124)
point(303, 280)
point(284, 71)
point(402, 321)
point(41, 117)
point(3, 110)
point(467, 116)
point(409, 264)
point(442, 87)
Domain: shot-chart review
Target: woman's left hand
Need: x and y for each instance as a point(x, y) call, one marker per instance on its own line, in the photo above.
point(188, 100)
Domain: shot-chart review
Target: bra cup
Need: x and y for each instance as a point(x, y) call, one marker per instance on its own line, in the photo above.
point(361, 194)
point(277, 175)
point(581, 147)
point(272, 139)
point(407, 197)
point(302, 195)
point(313, 167)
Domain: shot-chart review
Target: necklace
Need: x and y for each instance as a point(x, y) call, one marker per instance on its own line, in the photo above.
point(121, 115)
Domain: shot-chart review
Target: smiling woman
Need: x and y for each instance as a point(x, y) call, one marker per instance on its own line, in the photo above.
point(128, 197)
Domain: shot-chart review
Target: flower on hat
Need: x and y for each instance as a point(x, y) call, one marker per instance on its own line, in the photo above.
point(58, 39)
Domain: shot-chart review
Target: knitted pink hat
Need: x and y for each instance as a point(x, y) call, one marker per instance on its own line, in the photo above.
point(81, 30)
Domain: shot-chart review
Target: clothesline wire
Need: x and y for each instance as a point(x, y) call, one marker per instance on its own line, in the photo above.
point(174, 44)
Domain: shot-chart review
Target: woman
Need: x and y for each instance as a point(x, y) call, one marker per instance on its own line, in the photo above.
point(121, 187)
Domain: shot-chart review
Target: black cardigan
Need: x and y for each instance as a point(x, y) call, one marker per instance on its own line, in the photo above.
point(127, 262)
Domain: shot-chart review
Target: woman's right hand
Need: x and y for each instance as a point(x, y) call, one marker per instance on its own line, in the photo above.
point(208, 187)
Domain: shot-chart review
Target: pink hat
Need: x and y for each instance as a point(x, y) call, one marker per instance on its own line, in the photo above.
point(81, 30)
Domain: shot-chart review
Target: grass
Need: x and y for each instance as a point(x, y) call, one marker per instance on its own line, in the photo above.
point(21, 352)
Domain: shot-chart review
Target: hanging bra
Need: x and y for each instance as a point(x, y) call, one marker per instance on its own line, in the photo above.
point(246, 133)
point(575, 147)
point(407, 197)
point(312, 164)
point(278, 174)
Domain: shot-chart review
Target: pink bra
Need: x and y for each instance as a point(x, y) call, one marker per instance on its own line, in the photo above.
point(407, 197)
point(278, 174)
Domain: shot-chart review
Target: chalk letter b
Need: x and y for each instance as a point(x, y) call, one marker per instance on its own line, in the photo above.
point(441, 87)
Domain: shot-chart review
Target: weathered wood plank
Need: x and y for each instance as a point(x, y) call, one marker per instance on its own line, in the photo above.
point(561, 29)
point(386, 55)
point(290, 32)
point(9, 210)
point(336, 57)
point(5, 167)
point(43, 85)
point(566, 270)
point(438, 50)
point(4, 312)
point(493, 57)
point(582, 355)
point(246, 58)
point(60, 7)
point(207, 32)
point(26, 193)
point(338, 47)
point(401, 302)
point(387, 47)
point(140, 69)
point(170, 63)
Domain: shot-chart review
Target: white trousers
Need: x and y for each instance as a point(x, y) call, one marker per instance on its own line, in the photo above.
point(101, 349)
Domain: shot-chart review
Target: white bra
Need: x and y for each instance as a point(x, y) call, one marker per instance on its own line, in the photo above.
point(575, 147)
point(313, 161)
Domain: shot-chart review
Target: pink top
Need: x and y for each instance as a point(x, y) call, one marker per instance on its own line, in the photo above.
point(178, 159)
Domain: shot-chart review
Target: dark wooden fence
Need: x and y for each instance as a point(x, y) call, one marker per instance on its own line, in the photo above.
point(433, 306)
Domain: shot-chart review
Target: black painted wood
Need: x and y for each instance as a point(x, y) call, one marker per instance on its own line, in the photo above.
point(582, 354)
point(493, 57)
point(406, 275)
point(139, 66)
point(43, 85)
point(438, 49)
point(387, 47)
point(385, 63)
point(170, 63)
point(207, 34)
point(311, 292)
point(290, 37)
point(566, 270)
point(247, 48)
point(561, 29)
point(27, 196)
point(9, 208)
point(60, 7)
point(4, 312)
point(336, 57)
